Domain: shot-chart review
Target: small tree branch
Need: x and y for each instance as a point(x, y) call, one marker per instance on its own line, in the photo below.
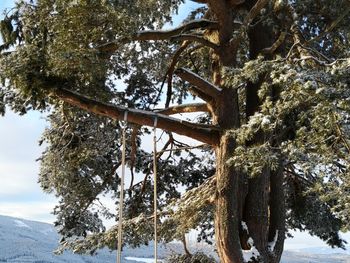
point(159, 34)
point(275, 45)
point(184, 108)
point(200, 84)
point(204, 133)
point(171, 69)
point(195, 38)
point(255, 11)
point(166, 34)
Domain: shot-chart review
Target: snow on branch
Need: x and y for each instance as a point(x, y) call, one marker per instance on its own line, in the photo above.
point(184, 108)
point(189, 206)
point(160, 34)
point(205, 133)
point(195, 38)
point(202, 85)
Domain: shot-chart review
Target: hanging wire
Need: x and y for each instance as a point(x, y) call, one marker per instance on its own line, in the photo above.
point(155, 188)
point(121, 199)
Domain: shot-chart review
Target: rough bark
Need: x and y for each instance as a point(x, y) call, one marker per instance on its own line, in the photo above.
point(277, 215)
point(229, 184)
point(258, 201)
point(255, 213)
point(264, 204)
point(227, 221)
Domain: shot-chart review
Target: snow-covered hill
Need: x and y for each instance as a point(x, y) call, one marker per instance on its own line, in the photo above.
point(24, 241)
point(29, 241)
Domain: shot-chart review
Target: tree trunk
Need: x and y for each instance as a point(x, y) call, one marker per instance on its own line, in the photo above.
point(250, 212)
point(228, 205)
point(277, 215)
point(230, 184)
point(257, 203)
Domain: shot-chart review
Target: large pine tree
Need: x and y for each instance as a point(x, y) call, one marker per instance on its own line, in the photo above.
point(270, 78)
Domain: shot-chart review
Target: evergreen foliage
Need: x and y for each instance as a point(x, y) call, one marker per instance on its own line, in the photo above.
point(196, 258)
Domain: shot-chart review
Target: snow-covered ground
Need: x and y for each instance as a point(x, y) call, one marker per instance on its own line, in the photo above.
point(24, 241)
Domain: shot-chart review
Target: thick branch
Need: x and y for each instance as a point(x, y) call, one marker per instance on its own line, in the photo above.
point(200, 84)
point(224, 14)
point(160, 34)
point(185, 108)
point(204, 133)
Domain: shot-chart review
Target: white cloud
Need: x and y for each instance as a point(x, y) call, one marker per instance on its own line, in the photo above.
point(20, 193)
point(38, 211)
point(18, 178)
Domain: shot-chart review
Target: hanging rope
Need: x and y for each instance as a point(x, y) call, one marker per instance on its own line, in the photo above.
point(155, 187)
point(121, 199)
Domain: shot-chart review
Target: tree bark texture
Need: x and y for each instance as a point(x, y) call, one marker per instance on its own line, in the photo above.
point(249, 211)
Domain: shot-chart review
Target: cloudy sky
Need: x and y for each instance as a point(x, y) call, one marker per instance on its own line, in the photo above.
point(20, 194)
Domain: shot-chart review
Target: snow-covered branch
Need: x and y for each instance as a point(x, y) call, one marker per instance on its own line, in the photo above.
point(184, 108)
point(160, 34)
point(204, 133)
point(200, 84)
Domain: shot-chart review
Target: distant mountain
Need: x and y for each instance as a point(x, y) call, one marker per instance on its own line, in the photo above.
point(33, 242)
point(24, 241)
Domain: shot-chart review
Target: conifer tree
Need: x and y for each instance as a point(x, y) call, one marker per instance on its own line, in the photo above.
point(271, 82)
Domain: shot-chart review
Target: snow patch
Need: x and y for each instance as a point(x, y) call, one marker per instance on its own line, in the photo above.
point(251, 253)
point(244, 226)
point(146, 260)
point(20, 223)
point(47, 231)
point(273, 243)
point(266, 121)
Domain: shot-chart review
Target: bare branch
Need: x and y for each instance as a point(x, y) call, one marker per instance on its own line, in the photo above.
point(185, 148)
point(185, 108)
point(200, 84)
point(204, 133)
point(195, 38)
point(275, 45)
point(159, 34)
point(171, 69)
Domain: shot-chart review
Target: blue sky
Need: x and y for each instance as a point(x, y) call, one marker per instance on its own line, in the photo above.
point(20, 194)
